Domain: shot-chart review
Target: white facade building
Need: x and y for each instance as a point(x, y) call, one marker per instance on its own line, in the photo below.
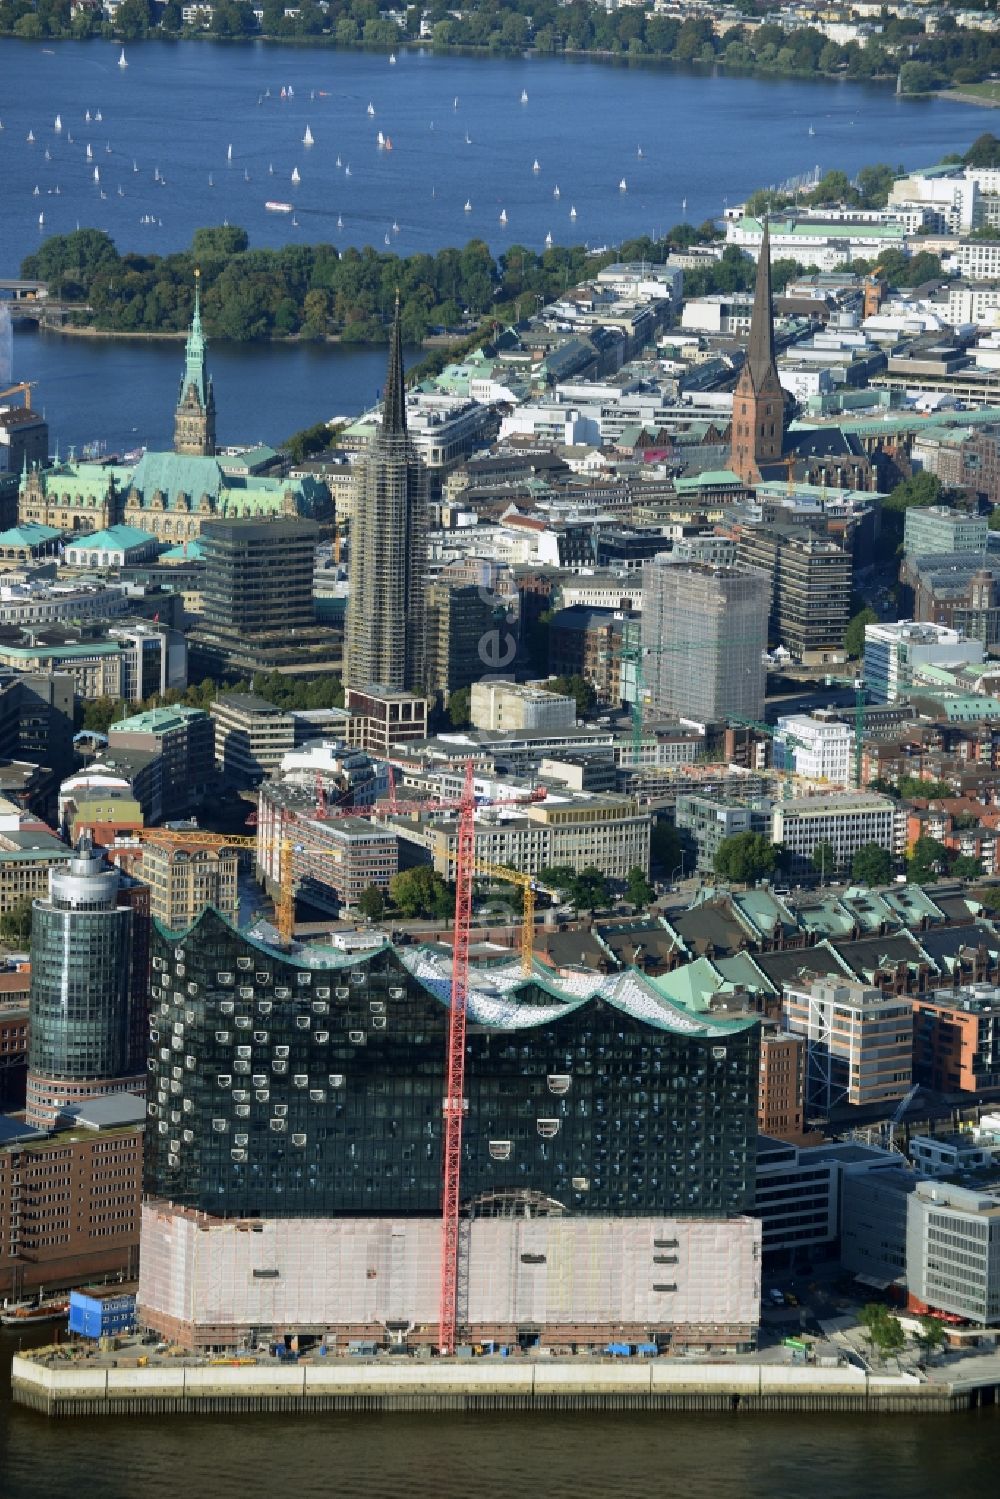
point(520, 706)
point(893, 652)
point(847, 821)
point(814, 749)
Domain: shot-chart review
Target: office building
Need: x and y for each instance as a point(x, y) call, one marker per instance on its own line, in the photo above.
point(333, 861)
point(14, 991)
point(704, 635)
point(385, 642)
point(81, 989)
point(383, 719)
point(758, 424)
point(893, 652)
point(818, 749)
point(781, 1097)
point(707, 821)
point(846, 821)
point(26, 856)
point(463, 626)
point(800, 1192)
point(956, 1039)
point(70, 1198)
point(940, 528)
point(184, 880)
point(522, 706)
point(811, 581)
point(251, 737)
point(859, 1042)
point(182, 740)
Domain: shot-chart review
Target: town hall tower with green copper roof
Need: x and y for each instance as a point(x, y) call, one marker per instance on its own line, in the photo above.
point(194, 419)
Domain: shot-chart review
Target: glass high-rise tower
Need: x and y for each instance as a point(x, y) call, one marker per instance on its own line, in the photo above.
point(81, 989)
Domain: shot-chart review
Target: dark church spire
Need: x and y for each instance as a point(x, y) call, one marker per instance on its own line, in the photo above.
point(760, 348)
point(394, 396)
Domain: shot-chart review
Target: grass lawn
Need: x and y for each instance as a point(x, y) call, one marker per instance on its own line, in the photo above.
point(990, 90)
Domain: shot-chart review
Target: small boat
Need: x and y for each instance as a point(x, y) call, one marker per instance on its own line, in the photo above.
point(156, 174)
point(623, 186)
point(503, 215)
point(98, 116)
point(31, 137)
point(555, 191)
point(284, 92)
point(107, 148)
point(41, 220)
point(295, 222)
point(572, 213)
point(387, 239)
point(340, 221)
point(57, 124)
point(89, 153)
point(468, 205)
point(339, 163)
point(347, 170)
point(812, 130)
point(211, 181)
point(380, 139)
point(307, 139)
point(123, 61)
point(395, 227)
point(291, 92)
point(37, 191)
point(121, 191)
point(270, 169)
point(684, 204)
point(87, 116)
point(229, 153)
point(295, 175)
point(371, 109)
point(548, 240)
point(392, 59)
point(135, 166)
point(639, 152)
point(524, 96)
point(455, 104)
point(246, 175)
point(534, 165)
point(273, 206)
point(69, 136)
point(388, 143)
point(48, 154)
point(18, 1314)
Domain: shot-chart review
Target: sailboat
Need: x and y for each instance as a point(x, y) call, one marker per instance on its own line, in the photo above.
point(548, 240)
point(339, 162)
point(98, 116)
point(395, 227)
point(37, 192)
point(307, 139)
point(284, 92)
point(639, 152)
point(387, 239)
point(87, 117)
point(48, 154)
point(57, 190)
point(295, 175)
point(340, 221)
point(503, 215)
point(121, 191)
point(534, 165)
point(107, 148)
point(380, 138)
point(123, 61)
point(156, 174)
point(90, 154)
point(31, 137)
point(388, 143)
point(371, 109)
point(97, 174)
point(392, 59)
point(468, 205)
point(291, 92)
point(623, 186)
point(246, 175)
point(468, 139)
point(41, 220)
point(572, 212)
point(57, 124)
point(135, 165)
point(347, 170)
point(555, 191)
point(211, 181)
point(229, 153)
point(684, 204)
point(455, 104)
point(69, 136)
point(524, 96)
point(812, 130)
point(270, 169)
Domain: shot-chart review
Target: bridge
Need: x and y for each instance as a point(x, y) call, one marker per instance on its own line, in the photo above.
point(29, 302)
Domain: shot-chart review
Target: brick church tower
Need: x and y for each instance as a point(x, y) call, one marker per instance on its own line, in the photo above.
point(758, 428)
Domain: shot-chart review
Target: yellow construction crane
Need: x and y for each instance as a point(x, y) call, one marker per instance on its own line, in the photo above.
point(23, 388)
point(528, 885)
point(284, 901)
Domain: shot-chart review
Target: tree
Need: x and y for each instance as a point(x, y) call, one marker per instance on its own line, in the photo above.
point(931, 1335)
point(966, 867)
point(15, 924)
point(872, 865)
point(371, 903)
point(666, 846)
point(575, 687)
point(884, 1330)
point(989, 899)
point(589, 888)
point(459, 707)
point(984, 152)
point(824, 859)
point(637, 887)
point(854, 635)
point(927, 862)
point(421, 892)
point(745, 857)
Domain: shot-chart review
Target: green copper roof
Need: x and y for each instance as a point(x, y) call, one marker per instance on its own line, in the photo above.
point(710, 478)
point(114, 539)
point(195, 372)
point(28, 534)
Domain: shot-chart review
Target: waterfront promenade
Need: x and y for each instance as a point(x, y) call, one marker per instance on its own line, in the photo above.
point(49, 1382)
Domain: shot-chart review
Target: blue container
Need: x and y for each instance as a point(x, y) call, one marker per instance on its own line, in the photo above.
point(95, 1314)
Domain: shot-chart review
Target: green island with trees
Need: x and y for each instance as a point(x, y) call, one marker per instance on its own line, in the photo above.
point(922, 62)
point(319, 292)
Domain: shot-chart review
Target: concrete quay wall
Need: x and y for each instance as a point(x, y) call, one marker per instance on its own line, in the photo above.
point(56, 1389)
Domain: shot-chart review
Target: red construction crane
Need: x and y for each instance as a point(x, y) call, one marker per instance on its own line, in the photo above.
point(454, 1093)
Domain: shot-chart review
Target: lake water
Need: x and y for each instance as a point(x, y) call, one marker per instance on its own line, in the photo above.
point(178, 107)
point(494, 1457)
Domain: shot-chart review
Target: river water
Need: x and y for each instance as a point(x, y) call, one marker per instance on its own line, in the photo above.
point(493, 1457)
point(178, 107)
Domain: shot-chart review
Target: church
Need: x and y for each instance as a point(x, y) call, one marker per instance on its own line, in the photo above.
point(169, 495)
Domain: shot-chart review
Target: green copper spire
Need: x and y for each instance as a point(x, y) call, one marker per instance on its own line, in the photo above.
point(195, 372)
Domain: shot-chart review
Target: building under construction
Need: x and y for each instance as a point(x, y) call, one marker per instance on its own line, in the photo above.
point(295, 1117)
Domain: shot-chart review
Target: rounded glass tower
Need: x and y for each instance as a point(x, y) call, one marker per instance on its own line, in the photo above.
point(80, 983)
